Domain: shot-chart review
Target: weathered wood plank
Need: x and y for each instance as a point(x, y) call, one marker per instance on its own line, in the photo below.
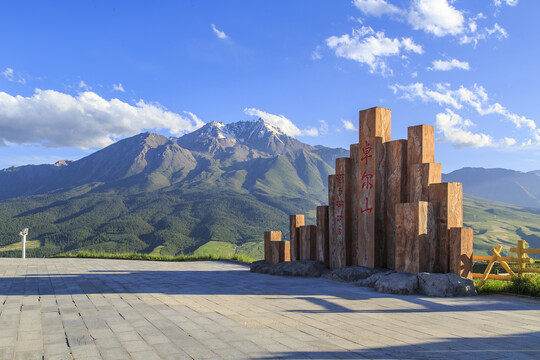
point(374, 131)
point(308, 242)
point(461, 251)
point(295, 221)
point(340, 246)
point(396, 184)
point(323, 237)
point(420, 176)
point(270, 237)
point(354, 195)
point(413, 238)
point(450, 199)
point(420, 144)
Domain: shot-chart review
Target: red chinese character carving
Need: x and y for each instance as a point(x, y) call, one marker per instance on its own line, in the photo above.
point(340, 191)
point(366, 150)
point(339, 218)
point(367, 184)
point(367, 208)
point(340, 203)
point(339, 178)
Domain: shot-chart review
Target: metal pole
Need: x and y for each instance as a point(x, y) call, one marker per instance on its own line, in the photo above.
point(24, 246)
point(23, 234)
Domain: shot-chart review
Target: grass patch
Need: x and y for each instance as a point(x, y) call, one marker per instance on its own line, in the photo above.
point(216, 248)
point(493, 286)
point(30, 244)
point(528, 284)
point(154, 257)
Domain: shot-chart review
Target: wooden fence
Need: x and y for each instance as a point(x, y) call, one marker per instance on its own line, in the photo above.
point(521, 258)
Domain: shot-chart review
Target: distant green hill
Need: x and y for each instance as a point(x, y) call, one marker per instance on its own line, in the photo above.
point(497, 223)
point(168, 222)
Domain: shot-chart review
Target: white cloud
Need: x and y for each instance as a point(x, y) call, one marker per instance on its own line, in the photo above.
point(10, 75)
point(376, 7)
point(283, 123)
point(409, 45)
point(118, 87)
point(53, 119)
point(446, 65)
point(483, 34)
point(220, 34)
point(323, 128)
point(436, 17)
point(369, 47)
point(454, 129)
point(499, 3)
point(316, 54)
point(509, 141)
point(348, 125)
point(84, 86)
point(475, 98)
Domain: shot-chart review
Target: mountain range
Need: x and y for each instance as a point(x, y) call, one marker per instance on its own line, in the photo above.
point(223, 182)
point(509, 186)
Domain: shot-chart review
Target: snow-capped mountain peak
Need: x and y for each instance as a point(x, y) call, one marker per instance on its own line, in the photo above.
point(256, 134)
point(242, 130)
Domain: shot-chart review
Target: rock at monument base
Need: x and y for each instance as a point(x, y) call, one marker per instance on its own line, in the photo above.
point(370, 281)
point(260, 266)
point(382, 280)
point(397, 283)
point(302, 268)
point(444, 285)
point(353, 273)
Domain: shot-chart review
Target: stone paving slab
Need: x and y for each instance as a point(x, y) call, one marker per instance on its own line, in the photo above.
point(120, 309)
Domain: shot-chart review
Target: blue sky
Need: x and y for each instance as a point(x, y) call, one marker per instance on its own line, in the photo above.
point(76, 76)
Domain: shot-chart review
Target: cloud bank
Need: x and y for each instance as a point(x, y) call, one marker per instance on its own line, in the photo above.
point(437, 17)
point(475, 98)
point(54, 119)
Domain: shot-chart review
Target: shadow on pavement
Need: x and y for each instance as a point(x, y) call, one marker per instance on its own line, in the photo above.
point(240, 282)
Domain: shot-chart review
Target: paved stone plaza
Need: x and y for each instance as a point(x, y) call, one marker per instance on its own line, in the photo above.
point(116, 309)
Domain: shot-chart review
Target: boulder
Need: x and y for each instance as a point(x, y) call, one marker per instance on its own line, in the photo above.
point(303, 268)
point(260, 266)
point(353, 273)
point(444, 285)
point(370, 281)
point(399, 283)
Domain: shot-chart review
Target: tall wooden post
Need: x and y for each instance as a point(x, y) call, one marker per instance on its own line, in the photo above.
point(323, 236)
point(422, 169)
point(374, 131)
point(415, 224)
point(284, 251)
point(308, 242)
point(271, 254)
point(295, 221)
point(461, 251)
point(420, 177)
point(450, 199)
point(340, 243)
point(396, 184)
point(354, 195)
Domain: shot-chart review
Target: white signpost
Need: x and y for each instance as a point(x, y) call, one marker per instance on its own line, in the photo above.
point(23, 234)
